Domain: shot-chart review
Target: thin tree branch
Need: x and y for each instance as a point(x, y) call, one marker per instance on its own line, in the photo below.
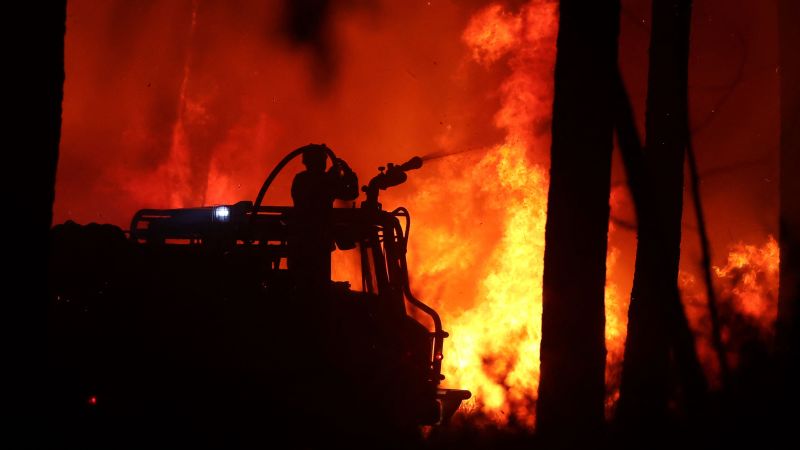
point(716, 333)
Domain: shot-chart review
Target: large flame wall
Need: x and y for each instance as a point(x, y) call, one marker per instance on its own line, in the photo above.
point(182, 103)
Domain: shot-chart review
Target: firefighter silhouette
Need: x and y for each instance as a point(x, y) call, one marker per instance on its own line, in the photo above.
point(314, 191)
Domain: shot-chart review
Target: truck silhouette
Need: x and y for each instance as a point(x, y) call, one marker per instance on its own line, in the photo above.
point(193, 321)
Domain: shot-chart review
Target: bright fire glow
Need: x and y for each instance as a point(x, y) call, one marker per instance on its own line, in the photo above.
point(747, 300)
point(750, 281)
point(201, 119)
point(488, 284)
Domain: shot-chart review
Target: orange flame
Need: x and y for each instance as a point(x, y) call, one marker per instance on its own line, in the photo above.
point(483, 216)
point(747, 287)
point(494, 350)
point(225, 104)
point(750, 281)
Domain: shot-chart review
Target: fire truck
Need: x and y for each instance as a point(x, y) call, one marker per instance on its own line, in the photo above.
point(195, 311)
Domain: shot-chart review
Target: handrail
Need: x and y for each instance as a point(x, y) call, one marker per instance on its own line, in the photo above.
point(403, 212)
point(438, 334)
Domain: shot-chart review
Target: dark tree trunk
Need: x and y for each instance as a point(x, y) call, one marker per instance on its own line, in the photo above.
point(788, 334)
point(571, 391)
point(656, 322)
point(35, 63)
point(630, 146)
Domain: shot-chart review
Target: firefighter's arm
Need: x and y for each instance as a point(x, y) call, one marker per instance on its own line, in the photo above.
point(345, 180)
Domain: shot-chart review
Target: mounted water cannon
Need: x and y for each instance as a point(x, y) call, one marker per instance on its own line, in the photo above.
point(389, 176)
